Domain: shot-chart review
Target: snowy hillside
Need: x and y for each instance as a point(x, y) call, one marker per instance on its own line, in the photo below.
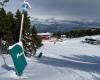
point(67, 60)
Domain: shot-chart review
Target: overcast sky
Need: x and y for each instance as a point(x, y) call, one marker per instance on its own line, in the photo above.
point(66, 9)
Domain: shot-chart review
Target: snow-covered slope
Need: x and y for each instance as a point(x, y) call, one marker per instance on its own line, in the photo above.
point(67, 60)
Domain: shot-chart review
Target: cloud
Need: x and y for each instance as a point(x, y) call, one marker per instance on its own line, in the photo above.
point(64, 8)
point(13, 5)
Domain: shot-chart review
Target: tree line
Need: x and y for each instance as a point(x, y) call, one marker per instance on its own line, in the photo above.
point(10, 28)
point(77, 33)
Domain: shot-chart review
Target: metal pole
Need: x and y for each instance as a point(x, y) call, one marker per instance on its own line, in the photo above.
point(26, 6)
point(21, 29)
point(2, 53)
point(4, 59)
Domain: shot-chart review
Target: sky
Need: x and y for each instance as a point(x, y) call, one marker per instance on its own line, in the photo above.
point(62, 9)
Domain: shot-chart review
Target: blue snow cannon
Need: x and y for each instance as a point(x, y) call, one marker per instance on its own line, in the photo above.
point(25, 6)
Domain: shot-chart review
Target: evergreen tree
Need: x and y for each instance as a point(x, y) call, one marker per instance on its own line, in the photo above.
point(26, 36)
point(30, 39)
point(28, 44)
point(4, 30)
point(36, 39)
point(2, 15)
point(26, 24)
point(11, 28)
point(4, 23)
point(16, 29)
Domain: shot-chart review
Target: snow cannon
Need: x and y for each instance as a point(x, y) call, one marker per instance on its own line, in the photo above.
point(25, 6)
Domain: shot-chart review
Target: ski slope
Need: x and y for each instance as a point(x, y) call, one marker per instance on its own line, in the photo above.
point(67, 60)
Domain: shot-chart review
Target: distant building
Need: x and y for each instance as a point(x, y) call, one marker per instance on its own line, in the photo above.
point(45, 36)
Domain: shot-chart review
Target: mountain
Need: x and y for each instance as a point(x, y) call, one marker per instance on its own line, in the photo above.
point(54, 25)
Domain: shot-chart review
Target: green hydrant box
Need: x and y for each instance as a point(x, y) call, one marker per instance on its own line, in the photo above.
point(18, 57)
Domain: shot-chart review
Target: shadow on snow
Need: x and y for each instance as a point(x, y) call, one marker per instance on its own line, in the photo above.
point(85, 63)
point(84, 58)
point(8, 68)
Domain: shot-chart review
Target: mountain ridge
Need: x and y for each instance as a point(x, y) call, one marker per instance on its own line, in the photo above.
point(54, 25)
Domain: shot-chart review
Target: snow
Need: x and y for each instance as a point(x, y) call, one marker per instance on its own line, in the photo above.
point(19, 43)
point(67, 60)
point(44, 34)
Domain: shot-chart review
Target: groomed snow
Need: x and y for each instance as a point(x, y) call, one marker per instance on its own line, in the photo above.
point(67, 60)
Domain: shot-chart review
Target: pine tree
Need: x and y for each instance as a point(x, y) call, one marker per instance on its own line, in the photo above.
point(4, 30)
point(17, 26)
point(28, 44)
point(26, 24)
point(2, 17)
point(4, 23)
point(36, 39)
point(31, 41)
point(30, 38)
point(27, 37)
point(11, 28)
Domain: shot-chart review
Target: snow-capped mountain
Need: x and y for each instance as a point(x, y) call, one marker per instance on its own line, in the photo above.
point(58, 25)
